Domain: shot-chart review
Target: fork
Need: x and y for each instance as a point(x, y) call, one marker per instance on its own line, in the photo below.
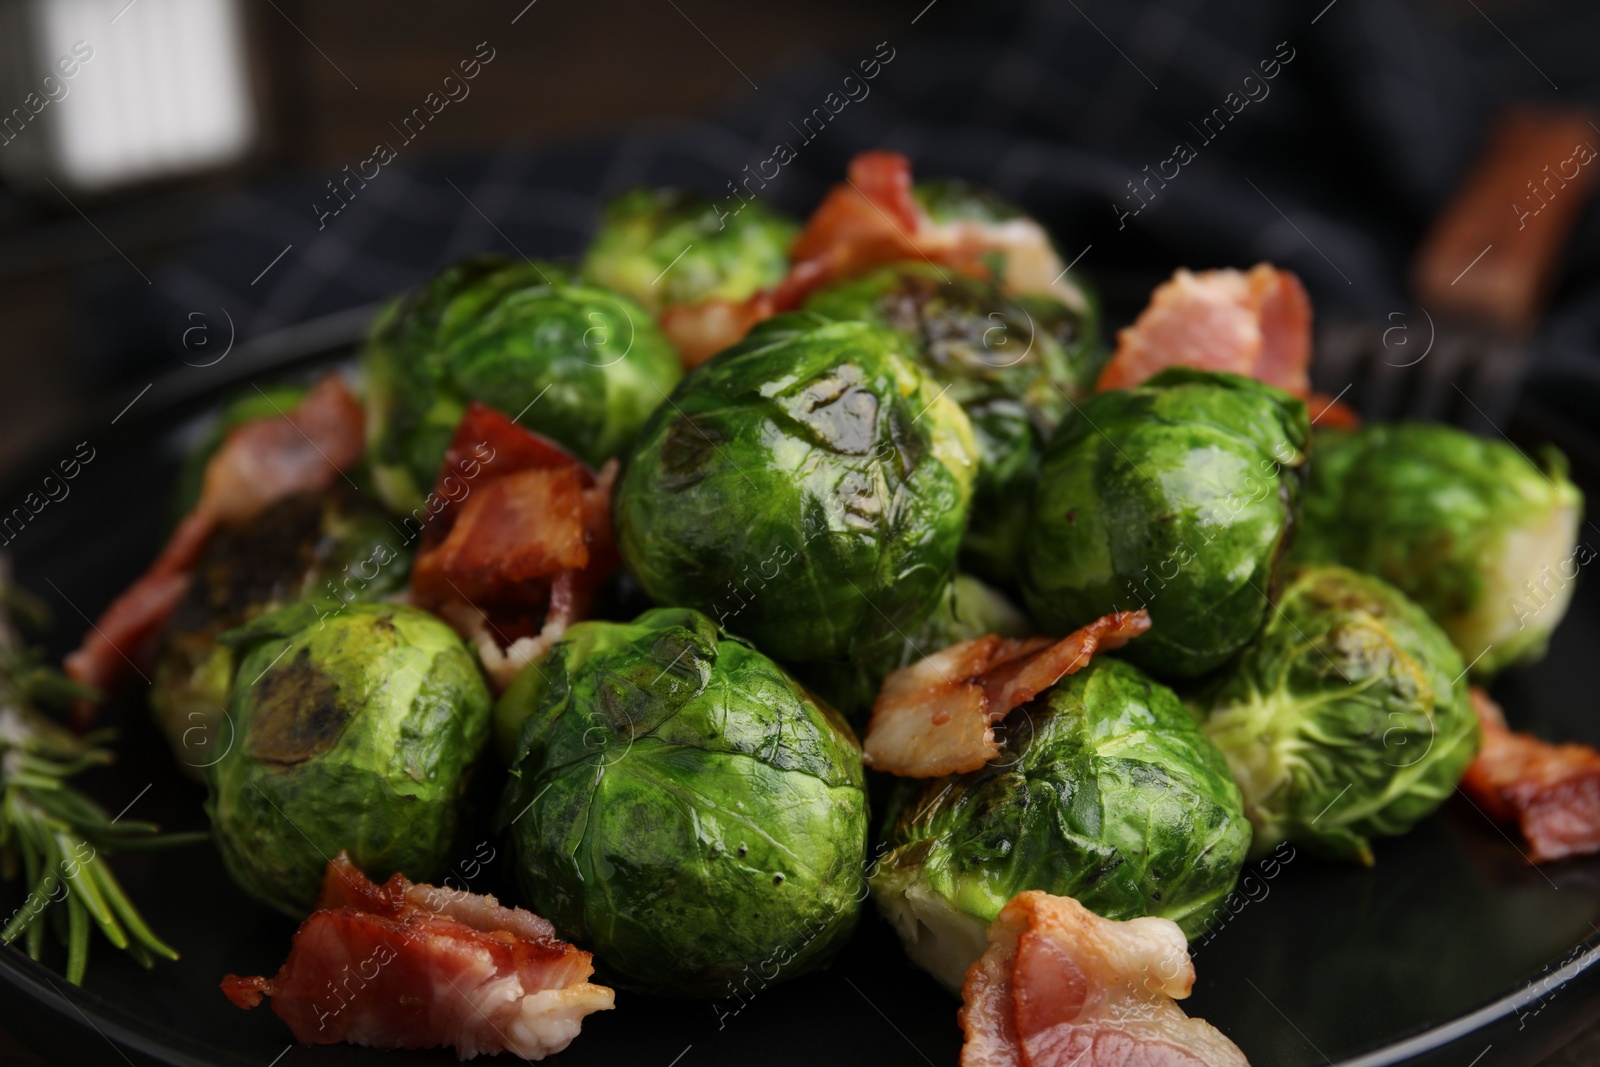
point(1479, 282)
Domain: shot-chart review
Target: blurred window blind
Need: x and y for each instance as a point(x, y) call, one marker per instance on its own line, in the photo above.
point(105, 93)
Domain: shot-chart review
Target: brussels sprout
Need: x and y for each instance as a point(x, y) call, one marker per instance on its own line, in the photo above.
point(1346, 718)
point(1466, 526)
point(680, 806)
point(668, 246)
point(510, 336)
point(1016, 364)
point(331, 547)
point(353, 730)
point(1175, 496)
point(1105, 790)
point(808, 487)
point(246, 407)
point(966, 610)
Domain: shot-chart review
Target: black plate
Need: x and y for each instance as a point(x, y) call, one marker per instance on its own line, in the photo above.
point(1451, 950)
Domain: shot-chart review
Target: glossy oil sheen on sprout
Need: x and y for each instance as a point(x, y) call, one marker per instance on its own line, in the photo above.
point(1176, 496)
point(683, 808)
point(1348, 718)
point(807, 488)
point(354, 731)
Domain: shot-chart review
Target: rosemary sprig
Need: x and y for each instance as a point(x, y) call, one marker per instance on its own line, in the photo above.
point(51, 834)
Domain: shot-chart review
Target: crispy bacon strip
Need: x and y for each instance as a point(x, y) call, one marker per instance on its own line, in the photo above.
point(400, 965)
point(259, 463)
point(1061, 987)
point(1255, 323)
point(1552, 792)
point(937, 716)
point(869, 220)
point(518, 544)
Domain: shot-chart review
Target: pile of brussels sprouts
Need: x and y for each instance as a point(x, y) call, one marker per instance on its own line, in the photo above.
point(913, 459)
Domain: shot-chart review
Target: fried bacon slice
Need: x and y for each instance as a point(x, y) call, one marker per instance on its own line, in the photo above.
point(1061, 987)
point(518, 543)
point(400, 965)
point(258, 464)
point(869, 220)
point(1255, 323)
point(1552, 792)
point(937, 716)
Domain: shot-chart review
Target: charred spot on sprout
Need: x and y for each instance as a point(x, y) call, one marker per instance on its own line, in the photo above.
point(298, 714)
point(333, 547)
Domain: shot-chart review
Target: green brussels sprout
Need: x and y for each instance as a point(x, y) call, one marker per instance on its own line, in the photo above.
point(682, 807)
point(1466, 526)
point(246, 407)
point(354, 729)
point(1015, 364)
point(966, 610)
point(295, 550)
point(511, 335)
point(1346, 718)
point(1175, 496)
point(808, 487)
point(1105, 790)
point(665, 247)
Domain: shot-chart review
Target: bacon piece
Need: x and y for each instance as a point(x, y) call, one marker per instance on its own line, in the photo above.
point(1257, 324)
point(415, 966)
point(700, 331)
point(1330, 413)
point(518, 543)
point(937, 716)
point(266, 460)
point(869, 220)
point(1552, 792)
point(1061, 987)
point(258, 464)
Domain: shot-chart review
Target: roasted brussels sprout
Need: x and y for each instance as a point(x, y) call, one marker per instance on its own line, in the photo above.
point(511, 335)
point(966, 610)
point(665, 247)
point(354, 731)
point(681, 807)
point(1346, 718)
point(1466, 526)
point(1015, 364)
point(1105, 790)
point(1175, 496)
point(807, 487)
point(330, 548)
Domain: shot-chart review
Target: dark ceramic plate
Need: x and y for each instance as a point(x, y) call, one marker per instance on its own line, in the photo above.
point(1451, 950)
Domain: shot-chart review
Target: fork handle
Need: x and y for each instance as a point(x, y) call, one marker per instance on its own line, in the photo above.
point(1492, 254)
